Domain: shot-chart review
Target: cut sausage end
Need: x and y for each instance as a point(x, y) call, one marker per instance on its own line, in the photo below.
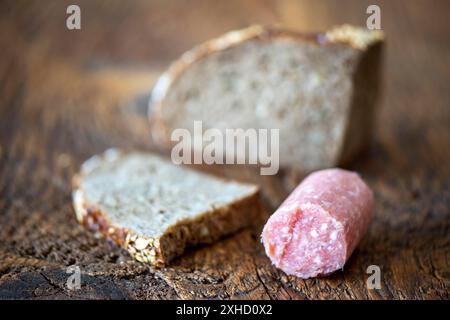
point(315, 236)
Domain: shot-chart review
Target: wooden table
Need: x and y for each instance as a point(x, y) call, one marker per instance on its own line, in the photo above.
point(65, 95)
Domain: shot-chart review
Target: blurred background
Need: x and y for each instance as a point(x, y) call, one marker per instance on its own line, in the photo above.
point(141, 38)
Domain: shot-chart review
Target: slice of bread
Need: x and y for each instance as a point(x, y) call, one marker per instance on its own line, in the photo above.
point(320, 90)
point(155, 209)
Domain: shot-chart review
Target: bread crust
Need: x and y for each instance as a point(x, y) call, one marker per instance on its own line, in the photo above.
point(206, 228)
point(367, 80)
point(345, 35)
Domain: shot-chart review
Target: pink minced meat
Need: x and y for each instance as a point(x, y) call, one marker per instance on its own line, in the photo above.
point(318, 226)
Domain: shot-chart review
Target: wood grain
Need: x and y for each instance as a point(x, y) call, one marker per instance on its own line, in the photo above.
point(65, 95)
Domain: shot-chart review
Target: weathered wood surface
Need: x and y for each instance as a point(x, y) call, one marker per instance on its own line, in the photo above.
point(65, 95)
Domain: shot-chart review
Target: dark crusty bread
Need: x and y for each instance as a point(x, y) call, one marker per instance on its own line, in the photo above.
point(320, 90)
point(155, 209)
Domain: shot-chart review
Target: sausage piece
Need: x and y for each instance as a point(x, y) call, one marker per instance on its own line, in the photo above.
point(318, 226)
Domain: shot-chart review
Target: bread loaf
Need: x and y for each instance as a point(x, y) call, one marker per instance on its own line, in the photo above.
point(320, 90)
